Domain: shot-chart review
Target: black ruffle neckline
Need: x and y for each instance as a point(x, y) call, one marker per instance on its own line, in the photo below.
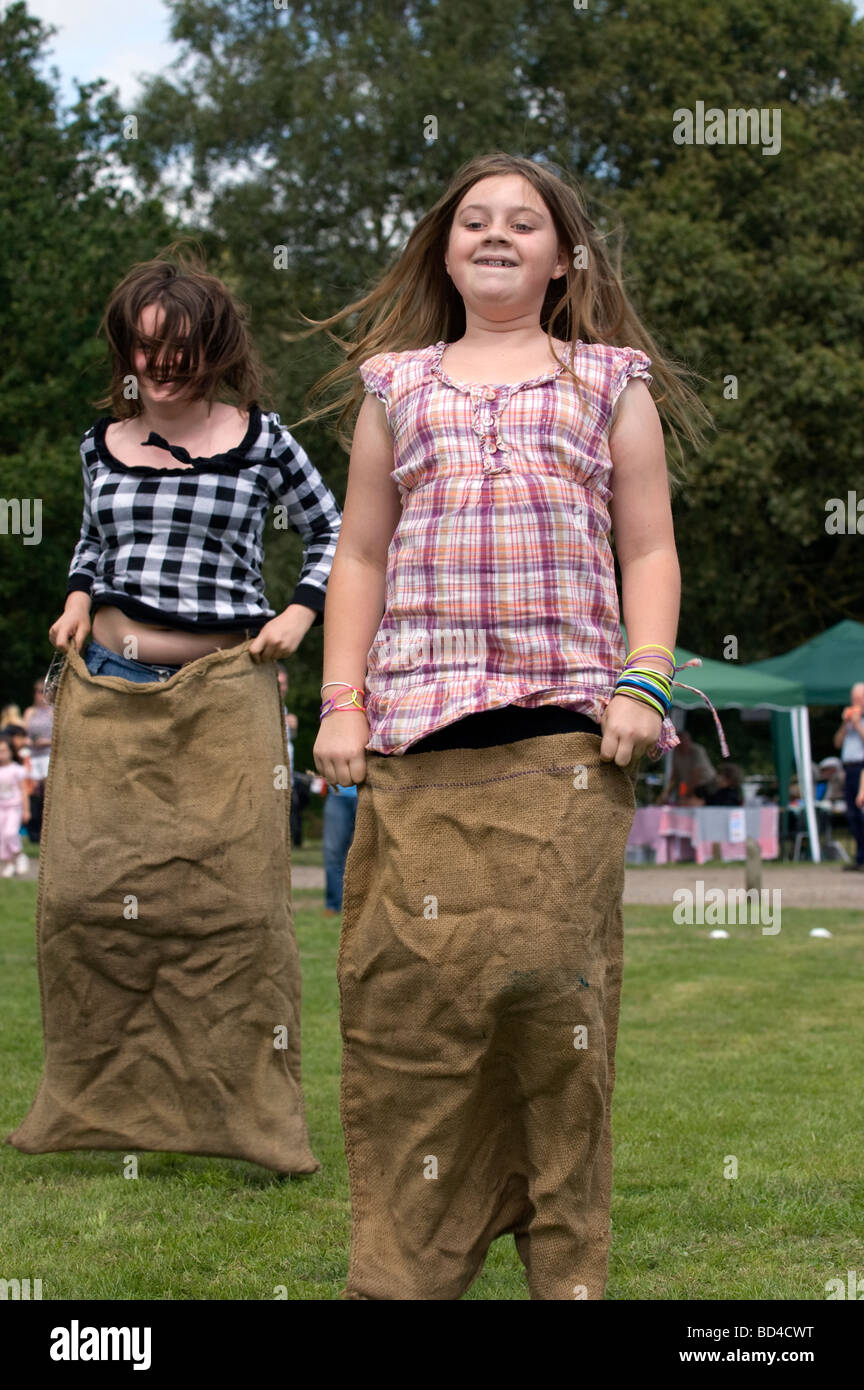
point(230, 457)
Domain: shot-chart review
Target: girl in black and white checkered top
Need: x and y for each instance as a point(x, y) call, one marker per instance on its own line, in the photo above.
point(167, 782)
point(178, 485)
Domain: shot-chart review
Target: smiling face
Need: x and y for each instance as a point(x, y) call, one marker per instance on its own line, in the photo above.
point(503, 249)
point(150, 322)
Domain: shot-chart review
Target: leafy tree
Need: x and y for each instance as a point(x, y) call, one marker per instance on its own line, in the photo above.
point(309, 126)
point(328, 129)
point(68, 231)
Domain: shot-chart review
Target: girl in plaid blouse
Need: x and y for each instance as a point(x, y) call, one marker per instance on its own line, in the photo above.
point(472, 606)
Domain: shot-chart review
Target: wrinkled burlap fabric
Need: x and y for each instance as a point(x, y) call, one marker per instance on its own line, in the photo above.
point(480, 975)
point(168, 965)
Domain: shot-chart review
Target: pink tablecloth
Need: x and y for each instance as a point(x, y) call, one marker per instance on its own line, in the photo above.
point(689, 832)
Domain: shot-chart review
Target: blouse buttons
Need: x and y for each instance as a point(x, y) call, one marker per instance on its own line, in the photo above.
point(486, 424)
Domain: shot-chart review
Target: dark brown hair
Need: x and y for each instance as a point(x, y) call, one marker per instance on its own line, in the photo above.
point(415, 303)
point(204, 326)
point(7, 739)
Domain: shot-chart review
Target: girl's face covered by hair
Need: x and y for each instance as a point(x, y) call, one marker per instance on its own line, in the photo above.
point(150, 324)
point(503, 249)
point(180, 334)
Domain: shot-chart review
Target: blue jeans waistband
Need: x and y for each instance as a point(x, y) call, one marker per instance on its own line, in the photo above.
point(97, 658)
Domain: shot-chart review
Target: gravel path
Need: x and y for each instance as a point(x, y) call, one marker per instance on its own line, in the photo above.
point(802, 885)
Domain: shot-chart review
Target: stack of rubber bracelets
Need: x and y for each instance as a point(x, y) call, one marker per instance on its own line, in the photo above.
point(640, 682)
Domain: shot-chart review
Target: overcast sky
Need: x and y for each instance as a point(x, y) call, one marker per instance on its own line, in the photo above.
point(106, 38)
point(117, 40)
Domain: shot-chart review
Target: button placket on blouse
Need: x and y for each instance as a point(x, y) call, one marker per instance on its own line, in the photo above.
point(486, 426)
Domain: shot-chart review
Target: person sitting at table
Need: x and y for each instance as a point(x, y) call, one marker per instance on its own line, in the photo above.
point(692, 767)
point(832, 774)
point(728, 789)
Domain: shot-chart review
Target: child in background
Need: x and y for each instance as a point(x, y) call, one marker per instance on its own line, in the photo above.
point(480, 959)
point(14, 810)
point(340, 814)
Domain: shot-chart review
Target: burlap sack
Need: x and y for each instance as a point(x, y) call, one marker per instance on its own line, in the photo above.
point(481, 931)
point(168, 965)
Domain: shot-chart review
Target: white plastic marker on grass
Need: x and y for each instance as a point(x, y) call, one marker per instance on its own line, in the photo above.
point(820, 931)
point(718, 935)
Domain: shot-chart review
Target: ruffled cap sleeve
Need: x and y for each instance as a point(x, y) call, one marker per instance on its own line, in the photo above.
point(376, 373)
point(631, 362)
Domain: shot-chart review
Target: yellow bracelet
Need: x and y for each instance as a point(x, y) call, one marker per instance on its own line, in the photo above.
point(645, 646)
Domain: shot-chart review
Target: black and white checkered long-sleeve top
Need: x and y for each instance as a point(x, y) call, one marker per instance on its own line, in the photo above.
point(182, 547)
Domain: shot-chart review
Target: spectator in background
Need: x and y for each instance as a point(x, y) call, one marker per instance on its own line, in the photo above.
point(300, 783)
point(340, 813)
point(831, 773)
point(290, 719)
point(14, 810)
point(39, 723)
point(17, 735)
point(691, 767)
point(728, 789)
point(849, 738)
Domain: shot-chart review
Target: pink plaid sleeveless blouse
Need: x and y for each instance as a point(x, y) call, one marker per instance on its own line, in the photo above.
point(500, 583)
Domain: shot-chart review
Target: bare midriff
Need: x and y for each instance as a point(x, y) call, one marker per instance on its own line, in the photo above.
point(168, 646)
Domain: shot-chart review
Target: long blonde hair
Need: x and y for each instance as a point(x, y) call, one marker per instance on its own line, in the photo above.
point(415, 304)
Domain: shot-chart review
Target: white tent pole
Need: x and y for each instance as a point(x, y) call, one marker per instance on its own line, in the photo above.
point(796, 745)
point(807, 785)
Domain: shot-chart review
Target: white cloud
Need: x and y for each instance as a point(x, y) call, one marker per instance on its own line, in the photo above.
point(106, 38)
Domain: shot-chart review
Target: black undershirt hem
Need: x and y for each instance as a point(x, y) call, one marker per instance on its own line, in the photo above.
point(507, 724)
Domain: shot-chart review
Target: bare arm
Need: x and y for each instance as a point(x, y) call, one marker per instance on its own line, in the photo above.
point(642, 522)
point(641, 515)
point(355, 592)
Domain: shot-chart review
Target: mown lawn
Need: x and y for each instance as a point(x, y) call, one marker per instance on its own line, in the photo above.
point(749, 1047)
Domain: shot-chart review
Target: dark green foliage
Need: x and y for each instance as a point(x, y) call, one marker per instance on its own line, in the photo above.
point(306, 127)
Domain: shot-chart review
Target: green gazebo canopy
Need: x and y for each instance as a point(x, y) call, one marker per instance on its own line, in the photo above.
point(827, 666)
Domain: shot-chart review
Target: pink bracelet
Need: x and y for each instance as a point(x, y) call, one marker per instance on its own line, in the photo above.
point(330, 705)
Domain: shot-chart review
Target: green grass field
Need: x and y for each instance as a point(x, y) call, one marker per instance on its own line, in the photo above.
point(748, 1047)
